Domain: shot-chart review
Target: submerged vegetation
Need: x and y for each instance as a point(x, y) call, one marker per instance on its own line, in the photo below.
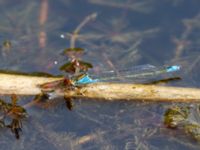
point(133, 33)
point(182, 117)
point(73, 68)
point(12, 115)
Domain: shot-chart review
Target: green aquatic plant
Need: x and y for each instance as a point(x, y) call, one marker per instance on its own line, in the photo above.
point(15, 113)
point(193, 130)
point(178, 116)
point(76, 66)
point(175, 116)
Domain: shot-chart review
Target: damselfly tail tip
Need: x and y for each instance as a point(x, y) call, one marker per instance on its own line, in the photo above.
point(173, 68)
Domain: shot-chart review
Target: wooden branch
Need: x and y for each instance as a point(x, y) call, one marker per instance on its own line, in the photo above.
point(22, 84)
point(28, 85)
point(117, 91)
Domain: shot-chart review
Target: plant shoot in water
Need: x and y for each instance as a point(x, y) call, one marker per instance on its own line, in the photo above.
point(15, 113)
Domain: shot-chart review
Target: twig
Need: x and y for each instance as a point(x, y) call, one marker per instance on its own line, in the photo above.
point(22, 84)
point(42, 21)
point(43, 12)
point(28, 85)
point(80, 26)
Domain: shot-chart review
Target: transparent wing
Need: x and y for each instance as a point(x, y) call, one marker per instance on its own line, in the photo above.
point(135, 73)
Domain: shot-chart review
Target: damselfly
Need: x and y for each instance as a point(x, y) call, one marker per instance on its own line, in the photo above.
point(129, 75)
point(143, 71)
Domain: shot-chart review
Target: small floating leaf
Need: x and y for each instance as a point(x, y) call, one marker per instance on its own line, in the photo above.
point(73, 52)
point(75, 49)
point(68, 67)
point(85, 64)
point(76, 66)
point(7, 44)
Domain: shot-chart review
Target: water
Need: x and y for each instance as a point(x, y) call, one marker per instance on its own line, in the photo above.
point(124, 33)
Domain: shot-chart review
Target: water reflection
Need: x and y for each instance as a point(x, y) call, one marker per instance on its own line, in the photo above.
point(125, 33)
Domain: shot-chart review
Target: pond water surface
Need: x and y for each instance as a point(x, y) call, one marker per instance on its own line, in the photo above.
point(124, 33)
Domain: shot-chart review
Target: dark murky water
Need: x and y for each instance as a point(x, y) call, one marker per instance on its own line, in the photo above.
point(124, 33)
